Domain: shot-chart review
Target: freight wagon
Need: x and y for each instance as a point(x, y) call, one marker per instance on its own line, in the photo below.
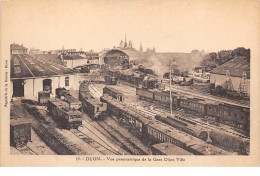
point(20, 131)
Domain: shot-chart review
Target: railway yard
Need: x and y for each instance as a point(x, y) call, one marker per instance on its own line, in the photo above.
point(126, 118)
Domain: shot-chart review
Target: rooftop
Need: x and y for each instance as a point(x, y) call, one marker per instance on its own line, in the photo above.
point(190, 141)
point(236, 67)
point(170, 149)
point(27, 66)
point(17, 47)
point(64, 105)
point(72, 57)
point(18, 121)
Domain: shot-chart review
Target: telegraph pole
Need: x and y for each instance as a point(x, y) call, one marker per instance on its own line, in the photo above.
point(170, 86)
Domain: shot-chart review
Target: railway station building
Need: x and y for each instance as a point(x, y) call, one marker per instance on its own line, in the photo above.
point(235, 72)
point(121, 56)
point(29, 75)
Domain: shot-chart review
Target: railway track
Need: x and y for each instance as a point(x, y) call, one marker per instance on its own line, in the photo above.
point(157, 108)
point(93, 143)
point(96, 90)
point(126, 144)
point(25, 150)
point(160, 109)
point(135, 141)
point(100, 129)
point(50, 139)
point(182, 114)
point(119, 136)
point(103, 141)
point(211, 97)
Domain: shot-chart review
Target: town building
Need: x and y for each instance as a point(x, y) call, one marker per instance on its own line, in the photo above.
point(92, 57)
point(18, 49)
point(72, 61)
point(234, 75)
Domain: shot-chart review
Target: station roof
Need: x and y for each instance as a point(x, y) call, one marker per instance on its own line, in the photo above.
point(170, 149)
point(25, 66)
point(133, 54)
point(50, 57)
point(236, 67)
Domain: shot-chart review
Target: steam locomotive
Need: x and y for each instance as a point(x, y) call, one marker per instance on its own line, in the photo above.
point(65, 95)
point(62, 113)
point(111, 79)
point(93, 107)
point(135, 79)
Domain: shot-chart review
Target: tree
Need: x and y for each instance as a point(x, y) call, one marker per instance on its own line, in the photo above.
point(224, 56)
point(241, 51)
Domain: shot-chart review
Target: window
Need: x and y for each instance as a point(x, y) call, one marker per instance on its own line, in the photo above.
point(67, 82)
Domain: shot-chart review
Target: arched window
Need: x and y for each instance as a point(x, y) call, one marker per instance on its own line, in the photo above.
point(67, 81)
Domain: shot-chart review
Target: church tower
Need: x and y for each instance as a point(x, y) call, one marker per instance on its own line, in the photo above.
point(154, 49)
point(141, 47)
point(125, 45)
point(130, 45)
point(121, 45)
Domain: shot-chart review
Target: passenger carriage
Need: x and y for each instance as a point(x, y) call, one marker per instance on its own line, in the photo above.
point(233, 115)
point(145, 94)
point(194, 105)
point(114, 93)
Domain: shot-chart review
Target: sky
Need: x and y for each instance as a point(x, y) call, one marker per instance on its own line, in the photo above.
point(169, 26)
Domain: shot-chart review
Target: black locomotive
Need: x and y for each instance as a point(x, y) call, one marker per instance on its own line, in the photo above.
point(93, 107)
point(65, 116)
point(65, 95)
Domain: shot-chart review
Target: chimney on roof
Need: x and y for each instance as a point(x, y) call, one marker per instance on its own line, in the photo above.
point(22, 45)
